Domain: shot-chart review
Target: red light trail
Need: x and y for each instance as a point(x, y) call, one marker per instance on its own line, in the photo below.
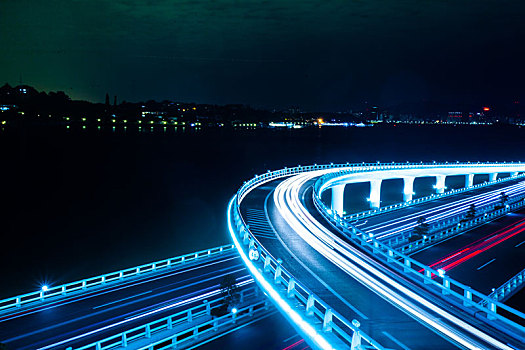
point(479, 246)
point(297, 343)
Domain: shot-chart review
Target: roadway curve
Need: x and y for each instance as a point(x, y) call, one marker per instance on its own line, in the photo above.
point(327, 263)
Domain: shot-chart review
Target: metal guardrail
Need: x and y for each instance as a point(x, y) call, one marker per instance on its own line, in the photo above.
point(507, 289)
point(183, 325)
point(117, 276)
point(389, 208)
point(419, 272)
point(212, 326)
point(298, 296)
point(448, 231)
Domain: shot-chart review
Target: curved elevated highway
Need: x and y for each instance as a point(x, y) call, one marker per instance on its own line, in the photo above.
point(341, 286)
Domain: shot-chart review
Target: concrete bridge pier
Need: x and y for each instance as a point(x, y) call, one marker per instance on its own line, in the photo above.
point(493, 177)
point(440, 183)
point(469, 180)
point(338, 198)
point(375, 193)
point(408, 189)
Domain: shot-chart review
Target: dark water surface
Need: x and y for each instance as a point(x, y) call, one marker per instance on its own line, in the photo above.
point(82, 203)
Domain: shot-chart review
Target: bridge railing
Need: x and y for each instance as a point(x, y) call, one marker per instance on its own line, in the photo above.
point(288, 289)
point(452, 227)
point(385, 209)
point(181, 339)
point(54, 292)
point(507, 289)
point(295, 294)
point(451, 289)
point(183, 324)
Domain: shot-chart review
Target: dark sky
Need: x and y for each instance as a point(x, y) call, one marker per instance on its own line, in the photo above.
point(318, 55)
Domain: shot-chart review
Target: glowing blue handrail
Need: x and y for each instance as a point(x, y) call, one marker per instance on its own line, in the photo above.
point(450, 230)
point(310, 304)
point(483, 213)
point(507, 289)
point(182, 320)
point(63, 290)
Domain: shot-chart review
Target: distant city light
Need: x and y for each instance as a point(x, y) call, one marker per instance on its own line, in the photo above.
point(486, 109)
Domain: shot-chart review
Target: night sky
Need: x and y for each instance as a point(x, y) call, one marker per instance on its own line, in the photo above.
point(322, 55)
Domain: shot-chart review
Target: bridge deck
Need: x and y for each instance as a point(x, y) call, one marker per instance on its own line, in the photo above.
point(84, 318)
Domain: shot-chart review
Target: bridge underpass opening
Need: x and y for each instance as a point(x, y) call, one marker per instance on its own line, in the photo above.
point(454, 182)
point(424, 186)
point(481, 178)
point(392, 192)
point(356, 197)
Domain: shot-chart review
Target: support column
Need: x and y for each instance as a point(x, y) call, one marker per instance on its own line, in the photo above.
point(469, 180)
point(408, 189)
point(493, 177)
point(375, 193)
point(440, 183)
point(338, 198)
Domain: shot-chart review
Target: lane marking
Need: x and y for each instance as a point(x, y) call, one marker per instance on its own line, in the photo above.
point(391, 337)
point(134, 312)
point(118, 301)
point(179, 303)
point(290, 338)
point(482, 266)
point(517, 245)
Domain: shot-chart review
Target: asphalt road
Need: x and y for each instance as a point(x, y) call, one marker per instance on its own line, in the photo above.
point(497, 256)
point(91, 316)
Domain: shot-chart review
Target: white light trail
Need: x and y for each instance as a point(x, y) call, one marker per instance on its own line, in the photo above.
point(304, 325)
point(356, 264)
point(441, 212)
